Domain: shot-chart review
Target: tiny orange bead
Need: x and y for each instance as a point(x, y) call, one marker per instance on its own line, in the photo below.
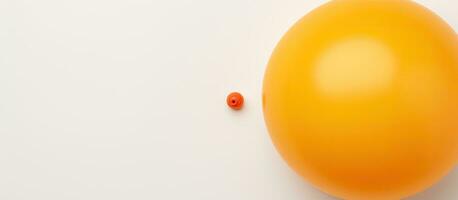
point(235, 100)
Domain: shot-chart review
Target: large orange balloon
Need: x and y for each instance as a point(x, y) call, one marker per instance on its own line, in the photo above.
point(361, 98)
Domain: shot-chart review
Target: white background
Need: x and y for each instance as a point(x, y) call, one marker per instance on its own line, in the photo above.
point(125, 99)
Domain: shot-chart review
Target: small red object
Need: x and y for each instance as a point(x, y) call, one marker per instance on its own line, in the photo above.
point(235, 100)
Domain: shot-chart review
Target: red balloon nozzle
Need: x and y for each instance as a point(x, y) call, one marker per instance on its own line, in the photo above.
point(235, 100)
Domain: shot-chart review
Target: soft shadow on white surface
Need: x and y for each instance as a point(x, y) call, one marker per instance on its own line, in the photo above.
point(444, 190)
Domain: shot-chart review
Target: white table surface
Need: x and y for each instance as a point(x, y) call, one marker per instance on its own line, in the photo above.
point(125, 99)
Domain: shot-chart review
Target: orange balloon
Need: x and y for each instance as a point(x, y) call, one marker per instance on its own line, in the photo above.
point(361, 98)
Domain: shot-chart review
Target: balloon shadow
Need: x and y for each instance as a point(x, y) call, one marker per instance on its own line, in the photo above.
point(444, 190)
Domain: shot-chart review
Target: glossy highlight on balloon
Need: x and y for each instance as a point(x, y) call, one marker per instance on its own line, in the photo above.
point(360, 97)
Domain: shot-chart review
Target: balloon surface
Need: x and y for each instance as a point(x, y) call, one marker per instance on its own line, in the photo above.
point(361, 98)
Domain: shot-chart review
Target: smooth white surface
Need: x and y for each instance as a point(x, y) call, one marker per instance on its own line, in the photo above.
point(125, 99)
